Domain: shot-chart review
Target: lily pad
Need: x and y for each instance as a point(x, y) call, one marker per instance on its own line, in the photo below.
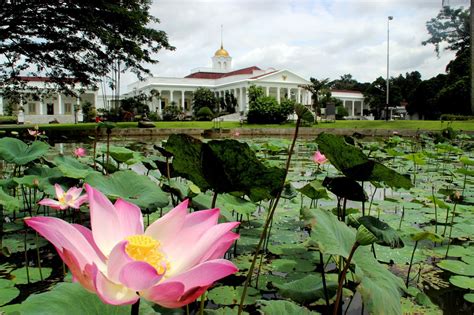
point(282, 307)
point(15, 151)
point(128, 185)
point(307, 289)
point(72, 168)
point(457, 267)
point(226, 295)
point(7, 291)
point(20, 275)
point(60, 299)
point(462, 282)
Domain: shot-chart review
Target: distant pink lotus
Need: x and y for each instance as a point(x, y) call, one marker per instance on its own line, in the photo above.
point(80, 152)
point(172, 263)
point(35, 132)
point(319, 158)
point(70, 199)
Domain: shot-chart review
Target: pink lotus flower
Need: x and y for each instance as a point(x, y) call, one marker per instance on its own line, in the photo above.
point(171, 263)
point(72, 198)
point(319, 158)
point(34, 132)
point(80, 152)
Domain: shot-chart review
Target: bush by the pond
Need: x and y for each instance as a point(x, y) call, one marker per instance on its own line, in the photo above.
point(171, 113)
point(266, 110)
point(8, 120)
point(451, 117)
point(204, 114)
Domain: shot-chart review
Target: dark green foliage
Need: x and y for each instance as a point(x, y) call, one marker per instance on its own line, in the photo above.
point(353, 163)
point(266, 110)
point(136, 104)
point(341, 112)
point(171, 113)
point(81, 39)
point(15, 151)
point(344, 187)
point(203, 97)
point(317, 89)
point(88, 111)
point(205, 114)
point(224, 166)
point(386, 236)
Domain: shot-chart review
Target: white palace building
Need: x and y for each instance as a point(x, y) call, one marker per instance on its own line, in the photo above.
point(43, 104)
point(222, 79)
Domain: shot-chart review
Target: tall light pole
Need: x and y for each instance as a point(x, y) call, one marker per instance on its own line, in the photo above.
point(388, 64)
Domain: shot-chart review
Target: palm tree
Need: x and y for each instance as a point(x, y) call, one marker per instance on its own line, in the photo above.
point(317, 88)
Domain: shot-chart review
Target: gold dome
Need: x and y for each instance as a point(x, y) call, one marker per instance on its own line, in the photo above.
point(221, 52)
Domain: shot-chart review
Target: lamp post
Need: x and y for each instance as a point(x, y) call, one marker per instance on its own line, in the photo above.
point(388, 65)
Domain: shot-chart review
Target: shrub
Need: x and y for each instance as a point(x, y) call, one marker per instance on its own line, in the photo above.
point(266, 110)
point(8, 120)
point(451, 117)
point(171, 113)
point(204, 114)
point(341, 112)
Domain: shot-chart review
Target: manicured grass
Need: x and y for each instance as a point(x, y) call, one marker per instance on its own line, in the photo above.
point(354, 124)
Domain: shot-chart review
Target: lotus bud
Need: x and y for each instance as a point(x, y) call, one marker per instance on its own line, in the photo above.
point(364, 236)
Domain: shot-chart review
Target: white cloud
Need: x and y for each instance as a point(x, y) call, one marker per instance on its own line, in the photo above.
point(318, 38)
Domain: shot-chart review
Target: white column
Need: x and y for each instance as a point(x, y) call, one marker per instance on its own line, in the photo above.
point(267, 90)
point(171, 96)
point(288, 93)
point(241, 100)
point(182, 100)
point(246, 104)
point(278, 95)
point(1, 105)
point(159, 103)
point(362, 108)
point(41, 106)
point(60, 105)
point(299, 96)
point(353, 105)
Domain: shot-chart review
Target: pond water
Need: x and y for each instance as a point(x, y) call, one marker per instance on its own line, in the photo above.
point(436, 284)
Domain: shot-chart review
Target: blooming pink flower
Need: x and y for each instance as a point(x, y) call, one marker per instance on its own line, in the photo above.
point(34, 132)
point(80, 152)
point(172, 263)
point(72, 198)
point(319, 158)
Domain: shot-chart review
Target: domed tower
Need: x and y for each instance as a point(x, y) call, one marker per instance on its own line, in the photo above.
point(222, 61)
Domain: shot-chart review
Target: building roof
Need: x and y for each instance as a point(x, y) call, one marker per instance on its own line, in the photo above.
point(346, 91)
point(215, 75)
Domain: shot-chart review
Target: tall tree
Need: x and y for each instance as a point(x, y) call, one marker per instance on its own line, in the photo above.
point(453, 27)
point(203, 97)
point(76, 39)
point(318, 88)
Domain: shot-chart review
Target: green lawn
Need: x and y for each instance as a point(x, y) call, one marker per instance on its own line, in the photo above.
point(355, 124)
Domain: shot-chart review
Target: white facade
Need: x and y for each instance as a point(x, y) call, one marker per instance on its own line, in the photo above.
point(353, 101)
point(221, 79)
point(39, 102)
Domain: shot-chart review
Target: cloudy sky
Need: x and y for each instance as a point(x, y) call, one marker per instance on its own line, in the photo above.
point(313, 38)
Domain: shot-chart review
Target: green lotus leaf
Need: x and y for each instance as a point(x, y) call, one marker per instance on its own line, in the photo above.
point(72, 168)
point(21, 275)
point(282, 307)
point(7, 291)
point(457, 267)
point(385, 234)
point(15, 151)
point(304, 113)
point(353, 163)
point(332, 236)
point(8, 202)
point(119, 154)
point(60, 299)
point(314, 190)
point(466, 161)
point(462, 282)
point(306, 290)
point(427, 235)
point(345, 187)
point(226, 295)
point(130, 186)
point(237, 204)
point(469, 297)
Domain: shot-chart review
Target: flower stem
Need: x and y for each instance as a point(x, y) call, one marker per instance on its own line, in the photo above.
point(411, 263)
point(343, 276)
point(268, 220)
point(135, 308)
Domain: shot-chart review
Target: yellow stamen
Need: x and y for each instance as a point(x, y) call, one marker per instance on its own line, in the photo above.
point(145, 248)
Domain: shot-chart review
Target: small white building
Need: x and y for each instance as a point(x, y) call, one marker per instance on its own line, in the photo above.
point(222, 79)
point(41, 103)
point(353, 102)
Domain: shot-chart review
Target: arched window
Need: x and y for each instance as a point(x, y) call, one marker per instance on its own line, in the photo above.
point(225, 65)
point(220, 65)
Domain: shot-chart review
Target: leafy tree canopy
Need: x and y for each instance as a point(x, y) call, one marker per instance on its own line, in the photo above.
point(317, 88)
point(203, 97)
point(77, 39)
point(451, 26)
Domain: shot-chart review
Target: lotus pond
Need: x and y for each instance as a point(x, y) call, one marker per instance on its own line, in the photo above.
point(372, 227)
